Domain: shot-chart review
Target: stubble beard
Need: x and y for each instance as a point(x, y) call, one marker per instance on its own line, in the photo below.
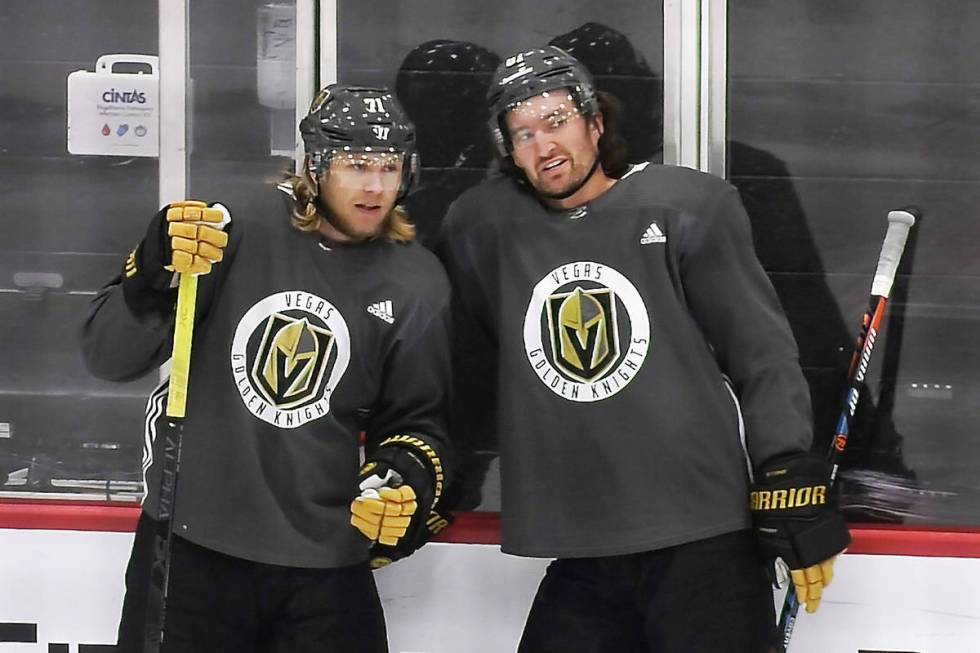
point(348, 227)
point(561, 191)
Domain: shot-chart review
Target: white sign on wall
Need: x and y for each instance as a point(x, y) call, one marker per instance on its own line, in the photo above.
point(113, 113)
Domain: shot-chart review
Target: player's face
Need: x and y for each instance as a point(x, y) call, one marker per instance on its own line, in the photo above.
point(552, 142)
point(359, 190)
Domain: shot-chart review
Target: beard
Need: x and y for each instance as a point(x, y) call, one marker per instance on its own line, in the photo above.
point(571, 186)
point(348, 227)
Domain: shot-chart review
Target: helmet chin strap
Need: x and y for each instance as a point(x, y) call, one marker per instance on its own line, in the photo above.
point(577, 187)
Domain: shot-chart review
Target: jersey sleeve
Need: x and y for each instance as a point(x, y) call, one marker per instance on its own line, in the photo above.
point(411, 409)
point(119, 344)
point(736, 306)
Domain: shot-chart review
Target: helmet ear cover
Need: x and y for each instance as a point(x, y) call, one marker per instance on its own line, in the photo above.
point(532, 73)
point(358, 118)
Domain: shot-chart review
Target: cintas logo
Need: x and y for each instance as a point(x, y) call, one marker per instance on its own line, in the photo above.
point(113, 96)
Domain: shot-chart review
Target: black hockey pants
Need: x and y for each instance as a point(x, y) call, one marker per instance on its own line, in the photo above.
point(709, 596)
point(222, 604)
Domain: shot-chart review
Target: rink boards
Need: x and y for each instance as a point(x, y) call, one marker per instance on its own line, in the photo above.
point(61, 573)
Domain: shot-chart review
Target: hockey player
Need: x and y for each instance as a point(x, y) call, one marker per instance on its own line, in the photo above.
point(636, 334)
point(308, 334)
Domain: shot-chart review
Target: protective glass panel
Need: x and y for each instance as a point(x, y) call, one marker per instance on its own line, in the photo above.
point(836, 117)
point(69, 221)
point(241, 98)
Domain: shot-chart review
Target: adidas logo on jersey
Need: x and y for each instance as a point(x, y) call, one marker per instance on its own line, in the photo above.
point(382, 310)
point(653, 235)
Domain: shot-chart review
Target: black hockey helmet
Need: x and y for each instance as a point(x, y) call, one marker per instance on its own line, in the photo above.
point(344, 118)
point(531, 73)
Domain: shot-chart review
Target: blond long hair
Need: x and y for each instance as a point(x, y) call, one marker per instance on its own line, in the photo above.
point(306, 216)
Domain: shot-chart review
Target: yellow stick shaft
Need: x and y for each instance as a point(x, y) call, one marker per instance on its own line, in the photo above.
point(180, 363)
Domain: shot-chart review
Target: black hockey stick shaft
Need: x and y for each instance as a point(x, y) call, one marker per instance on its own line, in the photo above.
point(899, 223)
point(156, 607)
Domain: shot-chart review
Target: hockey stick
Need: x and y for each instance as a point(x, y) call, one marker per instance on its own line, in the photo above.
point(180, 363)
point(180, 367)
point(899, 223)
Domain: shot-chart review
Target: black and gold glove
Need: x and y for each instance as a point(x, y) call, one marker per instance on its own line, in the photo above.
point(795, 521)
point(184, 237)
point(400, 483)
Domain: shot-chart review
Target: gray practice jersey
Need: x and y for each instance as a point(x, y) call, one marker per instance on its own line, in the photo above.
point(615, 324)
point(298, 348)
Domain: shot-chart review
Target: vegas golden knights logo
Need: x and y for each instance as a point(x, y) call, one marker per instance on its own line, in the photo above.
point(586, 331)
point(584, 335)
point(291, 361)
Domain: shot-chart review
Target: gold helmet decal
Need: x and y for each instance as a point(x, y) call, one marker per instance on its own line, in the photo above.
point(292, 359)
point(583, 332)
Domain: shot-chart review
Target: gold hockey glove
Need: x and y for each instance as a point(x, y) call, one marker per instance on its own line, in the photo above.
point(399, 483)
point(196, 238)
point(795, 520)
point(384, 509)
point(184, 237)
point(809, 583)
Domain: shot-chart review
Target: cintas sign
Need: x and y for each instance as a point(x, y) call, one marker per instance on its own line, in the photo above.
point(112, 113)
